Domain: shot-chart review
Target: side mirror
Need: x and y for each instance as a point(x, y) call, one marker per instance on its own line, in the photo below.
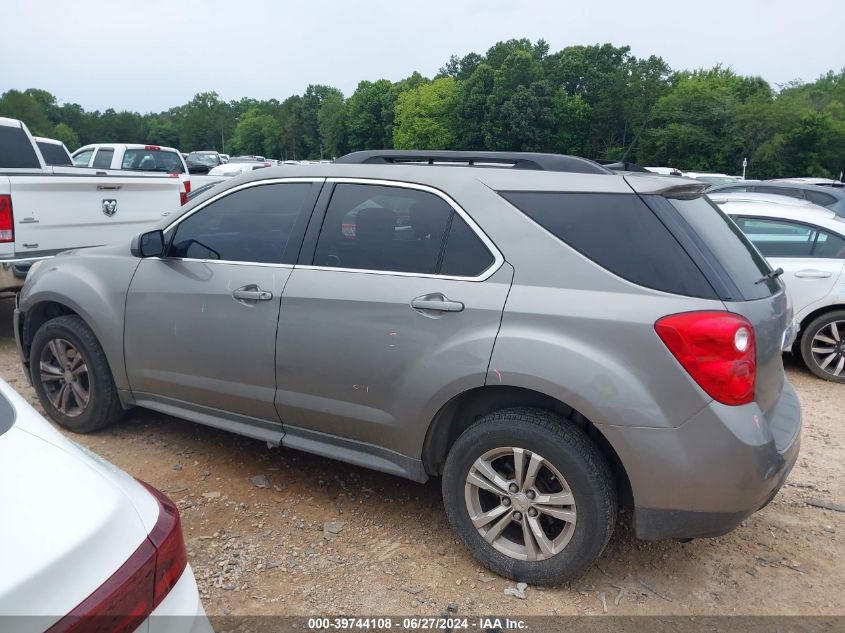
point(149, 244)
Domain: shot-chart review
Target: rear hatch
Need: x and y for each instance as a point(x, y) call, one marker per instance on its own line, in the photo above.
point(740, 275)
point(70, 519)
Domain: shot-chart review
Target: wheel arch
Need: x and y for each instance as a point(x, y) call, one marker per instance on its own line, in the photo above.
point(463, 410)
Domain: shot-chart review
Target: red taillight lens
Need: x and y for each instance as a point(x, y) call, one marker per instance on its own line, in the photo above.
point(7, 220)
point(183, 198)
point(187, 186)
point(129, 596)
point(717, 349)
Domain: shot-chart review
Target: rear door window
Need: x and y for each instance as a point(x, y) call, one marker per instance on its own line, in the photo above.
point(781, 238)
point(618, 232)
point(16, 151)
point(102, 160)
point(397, 229)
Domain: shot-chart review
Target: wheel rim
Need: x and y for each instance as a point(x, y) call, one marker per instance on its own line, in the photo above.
point(828, 348)
point(64, 376)
point(520, 503)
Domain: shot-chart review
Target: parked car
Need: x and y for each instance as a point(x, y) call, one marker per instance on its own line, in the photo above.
point(666, 171)
point(203, 162)
point(820, 182)
point(808, 243)
point(91, 549)
point(46, 209)
point(712, 179)
point(225, 158)
point(832, 198)
point(550, 337)
point(238, 165)
point(54, 152)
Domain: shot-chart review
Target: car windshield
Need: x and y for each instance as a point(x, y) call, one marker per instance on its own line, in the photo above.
point(205, 158)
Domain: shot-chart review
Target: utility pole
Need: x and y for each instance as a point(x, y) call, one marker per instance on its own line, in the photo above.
point(744, 165)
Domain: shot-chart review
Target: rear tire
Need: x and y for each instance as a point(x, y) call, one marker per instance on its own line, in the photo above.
point(826, 335)
point(72, 377)
point(546, 530)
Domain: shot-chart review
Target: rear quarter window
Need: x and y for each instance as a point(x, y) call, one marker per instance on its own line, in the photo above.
point(16, 151)
point(620, 233)
point(54, 154)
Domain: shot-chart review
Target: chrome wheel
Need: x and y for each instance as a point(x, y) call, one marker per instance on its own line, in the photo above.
point(828, 348)
point(64, 376)
point(520, 503)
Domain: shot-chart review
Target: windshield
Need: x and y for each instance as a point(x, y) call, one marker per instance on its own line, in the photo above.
point(204, 158)
point(152, 160)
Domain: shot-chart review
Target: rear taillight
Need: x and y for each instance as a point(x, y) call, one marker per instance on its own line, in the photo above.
point(7, 220)
point(129, 596)
point(183, 198)
point(187, 186)
point(717, 349)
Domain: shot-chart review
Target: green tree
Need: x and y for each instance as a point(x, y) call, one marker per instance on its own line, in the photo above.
point(21, 105)
point(364, 116)
point(331, 120)
point(256, 133)
point(63, 132)
point(425, 116)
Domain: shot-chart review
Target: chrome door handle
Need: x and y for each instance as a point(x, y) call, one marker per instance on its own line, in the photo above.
point(252, 292)
point(436, 302)
point(813, 274)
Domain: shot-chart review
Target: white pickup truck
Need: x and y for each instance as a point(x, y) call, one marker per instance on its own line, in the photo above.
point(47, 209)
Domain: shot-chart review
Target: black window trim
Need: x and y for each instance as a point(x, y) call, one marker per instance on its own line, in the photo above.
point(306, 257)
point(814, 227)
point(295, 239)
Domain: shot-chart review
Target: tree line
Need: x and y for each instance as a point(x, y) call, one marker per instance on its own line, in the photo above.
point(596, 101)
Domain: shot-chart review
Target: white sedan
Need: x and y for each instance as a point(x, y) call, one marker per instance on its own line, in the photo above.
point(808, 243)
point(83, 545)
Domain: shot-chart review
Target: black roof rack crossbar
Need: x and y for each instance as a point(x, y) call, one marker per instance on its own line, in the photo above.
point(514, 160)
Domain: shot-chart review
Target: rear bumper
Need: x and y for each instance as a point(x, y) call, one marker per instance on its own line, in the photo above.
point(181, 610)
point(13, 272)
point(704, 477)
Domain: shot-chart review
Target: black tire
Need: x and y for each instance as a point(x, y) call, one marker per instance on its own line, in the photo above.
point(578, 460)
point(103, 406)
point(815, 327)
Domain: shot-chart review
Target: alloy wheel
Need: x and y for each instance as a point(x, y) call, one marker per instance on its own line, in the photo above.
point(520, 503)
point(828, 348)
point(64, 377)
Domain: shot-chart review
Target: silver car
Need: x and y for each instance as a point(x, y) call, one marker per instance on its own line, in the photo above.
point(551, 338)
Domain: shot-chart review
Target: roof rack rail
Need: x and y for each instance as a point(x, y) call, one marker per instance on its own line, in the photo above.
point(514, 160)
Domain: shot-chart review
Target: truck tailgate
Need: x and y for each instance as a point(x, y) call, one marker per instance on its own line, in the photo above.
point(57, 212)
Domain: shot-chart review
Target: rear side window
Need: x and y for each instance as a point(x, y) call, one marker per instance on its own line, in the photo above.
point(54, 154)
point(250, 225)
point(819, 198)
point(16, 151)
point(779, 191)
point(618, 232)
point(724, 246)
point(152, 160)
point(102, 160)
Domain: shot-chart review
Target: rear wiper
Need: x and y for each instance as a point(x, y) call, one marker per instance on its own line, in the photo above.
point(777, 272)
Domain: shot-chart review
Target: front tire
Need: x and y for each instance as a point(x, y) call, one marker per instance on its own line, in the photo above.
point(530, 495)
point(823, 346)
point(72, 377)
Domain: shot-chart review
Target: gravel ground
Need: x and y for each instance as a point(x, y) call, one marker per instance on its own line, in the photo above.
point(275, 531)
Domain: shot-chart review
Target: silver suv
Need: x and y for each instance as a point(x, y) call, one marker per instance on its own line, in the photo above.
point(553, 339)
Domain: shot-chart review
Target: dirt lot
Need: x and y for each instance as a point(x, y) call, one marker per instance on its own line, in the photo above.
point(274, 531)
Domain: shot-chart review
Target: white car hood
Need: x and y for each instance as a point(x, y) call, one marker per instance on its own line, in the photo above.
point(70, 519)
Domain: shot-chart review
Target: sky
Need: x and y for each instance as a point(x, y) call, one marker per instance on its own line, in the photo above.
point(150, 55)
